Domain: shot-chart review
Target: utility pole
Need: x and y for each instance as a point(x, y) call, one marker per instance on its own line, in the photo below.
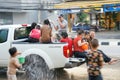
point(39, 19)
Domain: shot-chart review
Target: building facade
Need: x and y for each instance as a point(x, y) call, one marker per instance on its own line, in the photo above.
point(48, 14)
point(11, 12)
point(24, 11)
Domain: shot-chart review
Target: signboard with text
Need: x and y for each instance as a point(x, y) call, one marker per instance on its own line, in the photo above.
point(111, 7)
point(67, 11)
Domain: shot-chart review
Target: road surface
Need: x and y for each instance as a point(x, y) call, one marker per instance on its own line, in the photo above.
point(110, 72)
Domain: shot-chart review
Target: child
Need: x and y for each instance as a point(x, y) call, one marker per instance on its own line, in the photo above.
point(13, 64)
point(95, 61)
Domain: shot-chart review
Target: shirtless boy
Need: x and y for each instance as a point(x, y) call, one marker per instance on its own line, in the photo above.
point(13, 64)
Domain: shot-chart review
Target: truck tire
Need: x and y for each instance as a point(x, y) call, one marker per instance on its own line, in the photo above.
point(36, 68)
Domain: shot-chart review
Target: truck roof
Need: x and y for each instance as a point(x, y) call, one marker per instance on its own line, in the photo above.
point(14, 25)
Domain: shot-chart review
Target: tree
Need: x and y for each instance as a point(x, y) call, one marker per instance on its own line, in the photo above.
point(82, 17)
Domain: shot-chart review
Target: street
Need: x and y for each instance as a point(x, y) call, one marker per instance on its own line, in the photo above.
point(110, 72)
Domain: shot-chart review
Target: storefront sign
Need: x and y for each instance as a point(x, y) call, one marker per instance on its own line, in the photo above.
point(67, 11)
point(111, 7)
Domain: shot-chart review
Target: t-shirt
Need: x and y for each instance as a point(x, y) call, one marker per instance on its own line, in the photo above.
point(69, 41)
point(76, 46)
point(46, 33)
point(35, 33)
point(60, 30)
point(95, 61)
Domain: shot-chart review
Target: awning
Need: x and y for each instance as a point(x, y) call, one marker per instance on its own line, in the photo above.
point(85, 4)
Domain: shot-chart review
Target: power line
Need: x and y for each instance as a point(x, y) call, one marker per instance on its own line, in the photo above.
point(14, 8)
point(25, 2)
point(45, 5)
point(23, 6)
point(38, 7)
point(27, 5)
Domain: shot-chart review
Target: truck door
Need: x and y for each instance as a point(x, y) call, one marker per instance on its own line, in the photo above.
point(4, 45)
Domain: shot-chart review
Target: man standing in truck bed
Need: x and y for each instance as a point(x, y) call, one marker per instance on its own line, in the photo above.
point(62, 24)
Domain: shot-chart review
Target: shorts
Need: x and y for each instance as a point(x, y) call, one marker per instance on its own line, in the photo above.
point(98, 77)
point(12, 77)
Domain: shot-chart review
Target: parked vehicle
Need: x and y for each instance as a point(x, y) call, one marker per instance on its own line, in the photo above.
point(80, 27)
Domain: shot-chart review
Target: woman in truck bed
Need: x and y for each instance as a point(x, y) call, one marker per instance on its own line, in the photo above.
point(35, 34)
point(46, 32)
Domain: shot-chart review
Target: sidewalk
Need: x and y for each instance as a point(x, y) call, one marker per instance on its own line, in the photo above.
point(108, 35)
point(101, 35)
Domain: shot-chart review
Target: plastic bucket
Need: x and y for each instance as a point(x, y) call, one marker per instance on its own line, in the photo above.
point(21, 60)
point(85, 47)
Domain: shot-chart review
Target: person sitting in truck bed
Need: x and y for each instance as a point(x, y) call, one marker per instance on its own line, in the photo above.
point(46, 32)
point(33, 25)
point(78, 43)
point(35, 34)
point(65, 38)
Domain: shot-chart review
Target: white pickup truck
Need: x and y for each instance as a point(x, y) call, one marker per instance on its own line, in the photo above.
point(51, 56)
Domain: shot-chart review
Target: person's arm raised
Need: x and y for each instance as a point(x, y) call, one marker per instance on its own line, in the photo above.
point(62, 25)
point(55, 27)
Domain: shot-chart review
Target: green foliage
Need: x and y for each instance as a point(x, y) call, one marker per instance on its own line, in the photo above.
point(82, 17)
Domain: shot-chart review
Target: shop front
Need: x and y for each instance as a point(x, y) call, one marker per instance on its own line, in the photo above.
point(106, 19)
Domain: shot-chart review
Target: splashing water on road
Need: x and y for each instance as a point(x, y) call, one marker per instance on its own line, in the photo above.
point(36, 69)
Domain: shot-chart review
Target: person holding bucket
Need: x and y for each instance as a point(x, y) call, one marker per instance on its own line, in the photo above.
point(13, 64)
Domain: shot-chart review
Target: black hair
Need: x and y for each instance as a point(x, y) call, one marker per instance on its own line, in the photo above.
point(61, 15)
point(12, 51)
point(86, 32)
point(64, 34)
point(38, 26)
point(79, 32)
point(94, 43)
point(33, 25)
point(47, 22)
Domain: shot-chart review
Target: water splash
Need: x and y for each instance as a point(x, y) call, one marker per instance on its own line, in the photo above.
point(36, 69)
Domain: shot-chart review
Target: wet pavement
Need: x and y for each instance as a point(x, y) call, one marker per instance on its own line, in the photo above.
point(3, 75)
point(108, 35)
point(61, 74)
point(110, 72)
point(102, 35)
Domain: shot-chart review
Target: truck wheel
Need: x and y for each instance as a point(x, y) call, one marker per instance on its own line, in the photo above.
point(36, 68)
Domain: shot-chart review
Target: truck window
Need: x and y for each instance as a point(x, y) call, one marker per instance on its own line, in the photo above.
point(21, 33)
point(3, 35)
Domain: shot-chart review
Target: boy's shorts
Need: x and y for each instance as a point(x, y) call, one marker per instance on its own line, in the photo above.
point(12, 77)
